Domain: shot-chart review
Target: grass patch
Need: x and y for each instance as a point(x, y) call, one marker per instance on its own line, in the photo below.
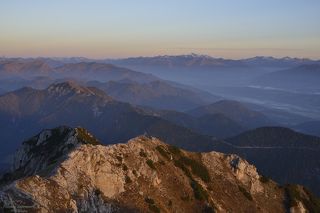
point(97, 192)
point(180, 165)
point(85, 137)
point(199, 192)
point(119, 158)
point(163, 152)
point(151, 164)
point(142, 153)
point(149, 200)
point(128, 179)
point(174, 150)
point(124, 167)
point(294, 195)
point(183, 162)
point(197, 168)
point(162, 162)
point(154, 208)
point(185, 198)
point(245, 193)
point(264, 179)
point(208, 209)
point(152, 205)
point(134, 172)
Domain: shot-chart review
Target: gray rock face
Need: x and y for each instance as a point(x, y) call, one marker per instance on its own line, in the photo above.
point(44, 149)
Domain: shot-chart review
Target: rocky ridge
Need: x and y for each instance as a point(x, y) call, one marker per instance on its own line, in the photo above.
point(68, 170)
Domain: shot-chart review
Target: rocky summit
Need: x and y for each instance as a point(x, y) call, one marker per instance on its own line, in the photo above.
point(68, 170)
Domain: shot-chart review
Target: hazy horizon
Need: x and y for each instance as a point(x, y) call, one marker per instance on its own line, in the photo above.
point(107, 29)
point(151, 56)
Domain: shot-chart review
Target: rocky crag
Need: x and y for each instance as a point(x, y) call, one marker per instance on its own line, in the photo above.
point(68, 170)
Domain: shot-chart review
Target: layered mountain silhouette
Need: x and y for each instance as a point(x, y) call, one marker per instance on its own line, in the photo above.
point(204, 61)
point(181, 61)
point(217, 125)
point(81, 70)
point(155, 94)
point(235, 111)
point(311, 127)
point(301, 78)
point(100, 71)
point(272, 62)
point(15, 67)
point(68, 170)
point(2, 91)
point(26, 111)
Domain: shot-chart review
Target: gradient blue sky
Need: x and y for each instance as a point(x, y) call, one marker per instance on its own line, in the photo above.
point(121, 28)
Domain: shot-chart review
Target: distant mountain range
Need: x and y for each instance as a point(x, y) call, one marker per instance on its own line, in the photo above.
point(68, 170)
point(91, 101)
point(171, 61)
point(220, 119)
point(156, 94)
point(236, 111)
point(100, 71)
point(204, 61)
point(281, 153)
point(272, 62)
point(301, 78)
point(28, 110)
point(2, 91)
point(302, 104)
point(82, 70)
point(275, 137)
point(311, 127)
point(217, 125)
point(179, 61)
point(123, 84)
point(12, 67)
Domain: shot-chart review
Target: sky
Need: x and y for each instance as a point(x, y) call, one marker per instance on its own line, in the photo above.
point(125, 28)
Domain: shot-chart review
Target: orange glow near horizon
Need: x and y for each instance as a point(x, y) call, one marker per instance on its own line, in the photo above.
point(109, 29)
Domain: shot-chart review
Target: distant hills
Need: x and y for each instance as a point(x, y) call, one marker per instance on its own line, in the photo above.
point(220, 119)
point(275, 137)
point(204, 61)
point(12, 67)
point(283, 154)
point(165, 61)
point(121, 83)
point(272, 62)
point(82, 70)
point(179, 61)
point(303, 104)
point(2, 91)
point(236, 111)
point(311, 127)
point(156, 94)
point(100, 71)
point(28, 110)
point(303, 78)
point(217, 125)
point(91, 93)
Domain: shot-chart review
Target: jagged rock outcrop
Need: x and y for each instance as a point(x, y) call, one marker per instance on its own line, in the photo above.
point(68, 170)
